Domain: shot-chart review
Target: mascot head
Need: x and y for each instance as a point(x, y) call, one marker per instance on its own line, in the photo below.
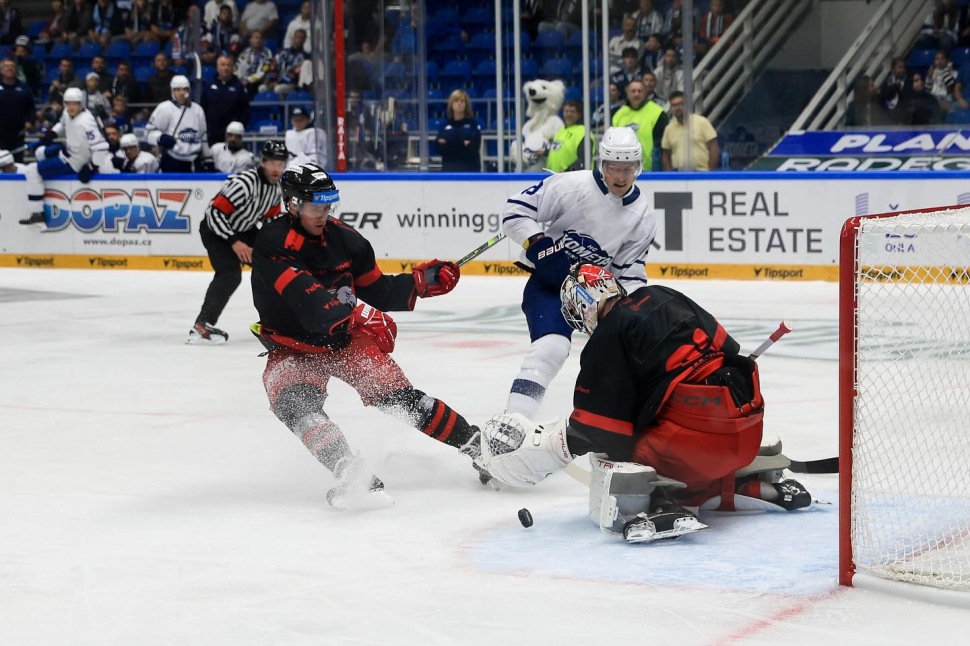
point(544, 97)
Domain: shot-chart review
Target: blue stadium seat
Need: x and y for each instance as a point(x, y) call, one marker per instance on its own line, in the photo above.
point(271, 44)
point(530, 69)
point(456, 74)
point(146, 50)
point(484, 76)
point(87, 51)
point(431, 69)
point(52, 73)
point(34, 28)
point(445, 16)
point(142, 72)
point(265, 97)
point(557, 68)
point(434, 125)
point(434, 94)
point(169, 48)
point(920, 59)
point(447, 50)
point(299, 96)
point(481, 47)
point(573, 93)
point(508, 121)
point(490, 93)
point(269, 127)
point(82, 70)
point(548, 45)
point(117, 51)
point(209, 73)
point(394, 74)
point(574, 48)
point(958, 116)
point(508, 44)
point(479, 17)
point(59, 51)
point(960, 56)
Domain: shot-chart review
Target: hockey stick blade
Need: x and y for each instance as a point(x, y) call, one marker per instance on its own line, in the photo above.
point(491, 242)
point(825, 465)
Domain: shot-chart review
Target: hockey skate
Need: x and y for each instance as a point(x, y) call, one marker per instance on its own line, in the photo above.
point(205, 334)
point(356, 489)
point(38, 220)
point(667, 521)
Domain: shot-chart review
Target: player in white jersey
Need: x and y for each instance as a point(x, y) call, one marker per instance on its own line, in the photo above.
point(596, 217)
point(230, 156)
point(132, 159)
point(35, 185)
point(301, 141)
point(84, 149)
point(178, 127)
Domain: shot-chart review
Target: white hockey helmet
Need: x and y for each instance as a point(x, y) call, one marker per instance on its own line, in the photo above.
point(621, 145)
point(584, 293)
point(6, 158)
point(73, 95)
point(127, 141)
point(235, 128)
point(179, 82)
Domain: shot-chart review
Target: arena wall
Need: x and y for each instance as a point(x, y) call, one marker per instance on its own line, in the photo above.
point(750, 225)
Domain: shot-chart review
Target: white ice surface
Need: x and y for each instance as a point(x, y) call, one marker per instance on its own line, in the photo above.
point(148, 496)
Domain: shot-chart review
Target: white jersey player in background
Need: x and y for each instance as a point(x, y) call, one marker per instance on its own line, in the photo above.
point(230, 156)
point(35, 186)
point(594, 217)
point(178, 127)
point(84, 149)
point(301, 141)
point(130, 158)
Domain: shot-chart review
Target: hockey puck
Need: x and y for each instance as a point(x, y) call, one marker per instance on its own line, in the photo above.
point(525, 517)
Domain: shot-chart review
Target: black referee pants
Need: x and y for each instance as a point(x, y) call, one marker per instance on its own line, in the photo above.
point(228, 272)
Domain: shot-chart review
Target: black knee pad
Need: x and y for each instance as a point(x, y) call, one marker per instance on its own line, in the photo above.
point(296, 402)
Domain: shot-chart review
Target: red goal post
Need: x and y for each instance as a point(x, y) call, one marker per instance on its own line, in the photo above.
point(904, 403)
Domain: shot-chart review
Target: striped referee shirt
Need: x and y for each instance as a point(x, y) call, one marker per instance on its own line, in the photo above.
point(245, 199)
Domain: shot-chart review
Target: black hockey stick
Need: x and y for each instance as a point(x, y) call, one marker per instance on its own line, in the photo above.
point(825, 465)
point(491, 242)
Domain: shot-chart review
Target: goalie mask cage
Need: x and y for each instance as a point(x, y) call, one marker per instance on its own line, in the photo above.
point(904, 403)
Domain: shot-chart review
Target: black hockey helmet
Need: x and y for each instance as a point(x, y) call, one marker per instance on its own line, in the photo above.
point(274, 149)
point(308, 183)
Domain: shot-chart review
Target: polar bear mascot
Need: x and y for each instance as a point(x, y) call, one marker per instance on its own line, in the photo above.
point(545, 99)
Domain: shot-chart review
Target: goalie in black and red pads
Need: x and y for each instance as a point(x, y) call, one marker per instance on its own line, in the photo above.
point(669, 411)
point(309, 269)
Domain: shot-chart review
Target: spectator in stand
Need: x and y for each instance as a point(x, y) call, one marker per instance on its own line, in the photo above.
point(648, 119)
point(302, 21)
point(224, 100)
point(568, 151)
point(305, 144)
point(221, 39)
point(53, 32)
point(259, 15)
point(107, 23)
point(100, 65)
point(123, 84)
point(619, 44)
point(941, 28)
point(286, 71)
point(561, 15)
point(459, 140)
point(254, 63)
point(166, 18)
point(713, 25)
point(78, 22)
point(647, 21)
point(868, 108)
point(917, 105)
point(135, 160)
point(530, 16)
point(158, 83)
point(28, 70)
point(651, 55)
point(650, 88)
point(230, 156)
point(214, 7)
point(670, 76)
point(673, 26)
point(893, 85)
point(616, 102)
point(113, 136)
point(48, 115)
point(138, 24)
point(941, 79)
point(119, 114)
point(94, 101)
point(65, 80)
point(10, 26)
point(705, 153)
point(17, 109)
point(630, 71)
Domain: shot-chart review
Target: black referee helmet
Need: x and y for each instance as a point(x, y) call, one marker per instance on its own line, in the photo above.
point(274, 149)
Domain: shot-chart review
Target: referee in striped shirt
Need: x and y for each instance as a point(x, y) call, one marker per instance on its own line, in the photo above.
point(229, 232)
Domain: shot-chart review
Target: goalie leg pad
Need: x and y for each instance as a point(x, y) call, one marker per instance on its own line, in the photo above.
point(620, 491)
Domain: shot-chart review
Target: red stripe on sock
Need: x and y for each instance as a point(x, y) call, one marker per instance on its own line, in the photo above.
point(438, 414)
point(448, 427)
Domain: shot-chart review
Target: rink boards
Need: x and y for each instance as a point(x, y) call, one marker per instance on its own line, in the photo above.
point(754, 225)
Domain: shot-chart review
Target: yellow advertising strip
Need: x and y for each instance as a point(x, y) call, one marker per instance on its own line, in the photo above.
point(659, 271)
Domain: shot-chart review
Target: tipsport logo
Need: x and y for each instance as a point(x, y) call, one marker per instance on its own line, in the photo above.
point(113, 210)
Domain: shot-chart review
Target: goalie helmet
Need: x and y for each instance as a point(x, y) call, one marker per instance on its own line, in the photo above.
point(585, 291)
point(621, 145)
point(309, 183)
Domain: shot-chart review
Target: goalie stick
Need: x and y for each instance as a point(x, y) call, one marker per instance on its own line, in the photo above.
point(491, 242)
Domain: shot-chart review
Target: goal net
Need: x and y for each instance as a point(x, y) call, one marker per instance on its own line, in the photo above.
point(905, 398)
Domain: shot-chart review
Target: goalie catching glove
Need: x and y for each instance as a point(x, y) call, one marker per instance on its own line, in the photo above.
point(435, 277)
point(375, 324)
point(519, 452)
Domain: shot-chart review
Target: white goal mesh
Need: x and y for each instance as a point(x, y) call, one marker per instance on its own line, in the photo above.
point(910, 484)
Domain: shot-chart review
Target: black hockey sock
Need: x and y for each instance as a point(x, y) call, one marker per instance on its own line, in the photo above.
point(301, 409)
point(431, 416)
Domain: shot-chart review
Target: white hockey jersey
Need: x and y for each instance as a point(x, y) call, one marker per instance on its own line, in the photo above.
point(302, 145)
point(227, 161)
point(184, 122)
point(145, 162)
point(83, 140)
point(594, 226)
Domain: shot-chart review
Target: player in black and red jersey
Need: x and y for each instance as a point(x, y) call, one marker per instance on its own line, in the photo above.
point(309, 269)
point(669, 410)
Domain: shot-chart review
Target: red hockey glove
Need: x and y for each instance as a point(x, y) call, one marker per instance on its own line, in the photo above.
point(436, 277)
point(375, 324)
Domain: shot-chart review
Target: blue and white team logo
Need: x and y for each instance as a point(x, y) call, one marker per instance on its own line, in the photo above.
point(189, 135)
point(583, 248)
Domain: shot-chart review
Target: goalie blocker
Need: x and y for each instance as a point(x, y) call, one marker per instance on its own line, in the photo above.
point(662, 384)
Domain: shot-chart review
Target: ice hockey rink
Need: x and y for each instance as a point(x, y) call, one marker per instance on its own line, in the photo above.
point(148, 495)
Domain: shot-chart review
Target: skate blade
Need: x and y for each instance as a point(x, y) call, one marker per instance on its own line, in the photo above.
point(648, 534)
point(196, 339)
point(359, 500)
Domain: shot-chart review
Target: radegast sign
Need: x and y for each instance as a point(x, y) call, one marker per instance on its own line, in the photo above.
point(930, 150)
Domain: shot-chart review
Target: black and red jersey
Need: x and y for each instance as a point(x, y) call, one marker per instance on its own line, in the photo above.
point(296, 277)
point(645, 346)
